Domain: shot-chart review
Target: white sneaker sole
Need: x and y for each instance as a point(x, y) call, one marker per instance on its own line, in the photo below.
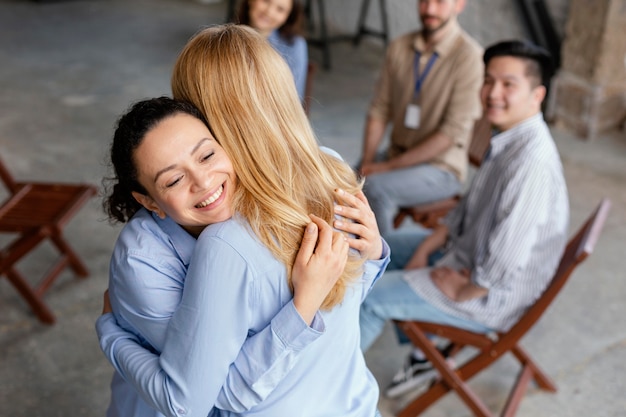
point(422, 381)
point(411, 384)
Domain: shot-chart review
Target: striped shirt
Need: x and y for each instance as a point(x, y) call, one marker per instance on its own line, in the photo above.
point(509, 230)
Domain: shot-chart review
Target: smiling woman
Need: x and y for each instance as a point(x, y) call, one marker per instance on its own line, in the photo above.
point(194, 182)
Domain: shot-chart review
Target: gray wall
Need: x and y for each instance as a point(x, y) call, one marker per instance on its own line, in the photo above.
point(487, 20)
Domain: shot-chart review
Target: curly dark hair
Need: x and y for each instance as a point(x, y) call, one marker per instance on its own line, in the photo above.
point(131, 128)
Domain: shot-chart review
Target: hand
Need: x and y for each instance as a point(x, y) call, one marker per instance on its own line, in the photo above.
point(106, 306)
point(375, 168)
point(363, 225)
point(319, 264)
point(450, 282)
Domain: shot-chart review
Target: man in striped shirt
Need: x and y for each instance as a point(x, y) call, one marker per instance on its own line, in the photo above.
point(498, 249)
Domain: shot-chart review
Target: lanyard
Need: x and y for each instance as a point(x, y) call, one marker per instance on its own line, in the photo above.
point(419, 78)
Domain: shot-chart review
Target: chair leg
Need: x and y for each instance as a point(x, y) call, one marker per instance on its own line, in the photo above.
point(542, 380)
point(77, 265)
point(449, 378)
point(41, 310)
point(518, 391)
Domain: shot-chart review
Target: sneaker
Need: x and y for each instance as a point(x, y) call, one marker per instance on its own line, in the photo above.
point(414, 374)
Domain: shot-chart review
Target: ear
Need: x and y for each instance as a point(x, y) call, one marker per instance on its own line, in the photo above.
point(539, 94)
point(148, 203)
point(459, 6)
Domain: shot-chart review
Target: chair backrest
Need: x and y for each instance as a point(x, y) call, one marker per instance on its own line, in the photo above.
point(481, 137)
point(578, 248)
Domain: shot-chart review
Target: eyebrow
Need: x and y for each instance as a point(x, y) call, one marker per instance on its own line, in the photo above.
point(167, 168)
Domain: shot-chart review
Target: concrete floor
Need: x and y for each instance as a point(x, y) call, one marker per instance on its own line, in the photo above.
point(69, 68)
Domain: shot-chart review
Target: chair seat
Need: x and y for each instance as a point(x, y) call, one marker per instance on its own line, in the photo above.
point(37, 204)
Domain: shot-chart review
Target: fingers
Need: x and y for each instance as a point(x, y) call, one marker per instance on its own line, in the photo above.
point(318, 236)
point(340, 245)
point(330, 242)
point(307, 247)
point(319, 264)
point(325, 232)
point(361, 223)
point(361, 196)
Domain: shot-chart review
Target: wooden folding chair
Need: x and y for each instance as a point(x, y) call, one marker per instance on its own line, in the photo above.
point(35, 212)
point(428, 214)
point(492, 347)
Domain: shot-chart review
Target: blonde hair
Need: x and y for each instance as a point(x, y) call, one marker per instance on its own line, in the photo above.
point(246, 91)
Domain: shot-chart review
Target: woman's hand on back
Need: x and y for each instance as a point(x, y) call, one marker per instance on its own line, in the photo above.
point(363, 226)
point(319, 264)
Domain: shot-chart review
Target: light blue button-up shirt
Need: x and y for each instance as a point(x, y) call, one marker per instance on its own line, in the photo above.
point(147, 274)
point(246, 293)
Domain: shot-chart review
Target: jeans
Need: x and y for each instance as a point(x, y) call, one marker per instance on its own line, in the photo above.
point(393, 298)
point(403, 244)
point(423, 183)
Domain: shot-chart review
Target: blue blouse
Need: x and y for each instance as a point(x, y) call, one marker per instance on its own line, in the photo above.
point(146, 278)
point(245, 296)
point(297, 56)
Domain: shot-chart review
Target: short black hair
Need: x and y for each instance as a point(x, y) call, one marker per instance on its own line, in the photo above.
point(540, 63)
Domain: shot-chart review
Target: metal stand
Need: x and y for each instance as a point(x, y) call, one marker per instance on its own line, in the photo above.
point(364, 30)
point(323, 41)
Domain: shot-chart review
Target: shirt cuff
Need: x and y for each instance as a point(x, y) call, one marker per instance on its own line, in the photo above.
point(105, 324)
point(378, 264)
point(293, 331)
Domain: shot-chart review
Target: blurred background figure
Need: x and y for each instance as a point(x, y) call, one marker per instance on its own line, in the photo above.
point(281, 23)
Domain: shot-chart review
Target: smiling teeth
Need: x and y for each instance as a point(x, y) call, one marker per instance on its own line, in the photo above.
point(211, 199)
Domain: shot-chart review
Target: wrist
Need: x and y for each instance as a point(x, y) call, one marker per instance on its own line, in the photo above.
point(305, 309)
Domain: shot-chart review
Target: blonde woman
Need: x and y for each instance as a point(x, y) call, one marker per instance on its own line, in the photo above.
point(279, 178)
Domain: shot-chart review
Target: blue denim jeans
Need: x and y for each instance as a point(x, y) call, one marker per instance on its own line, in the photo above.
point(393, 298)
point(423, 183)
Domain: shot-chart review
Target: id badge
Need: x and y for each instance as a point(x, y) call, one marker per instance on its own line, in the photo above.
point(412, 116)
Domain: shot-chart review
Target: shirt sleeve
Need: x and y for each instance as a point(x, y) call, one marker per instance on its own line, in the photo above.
point(507, 249)
point(464, 105)
point(144, 293)
point(374, 269)
point(453, 219)
point(205, 337)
